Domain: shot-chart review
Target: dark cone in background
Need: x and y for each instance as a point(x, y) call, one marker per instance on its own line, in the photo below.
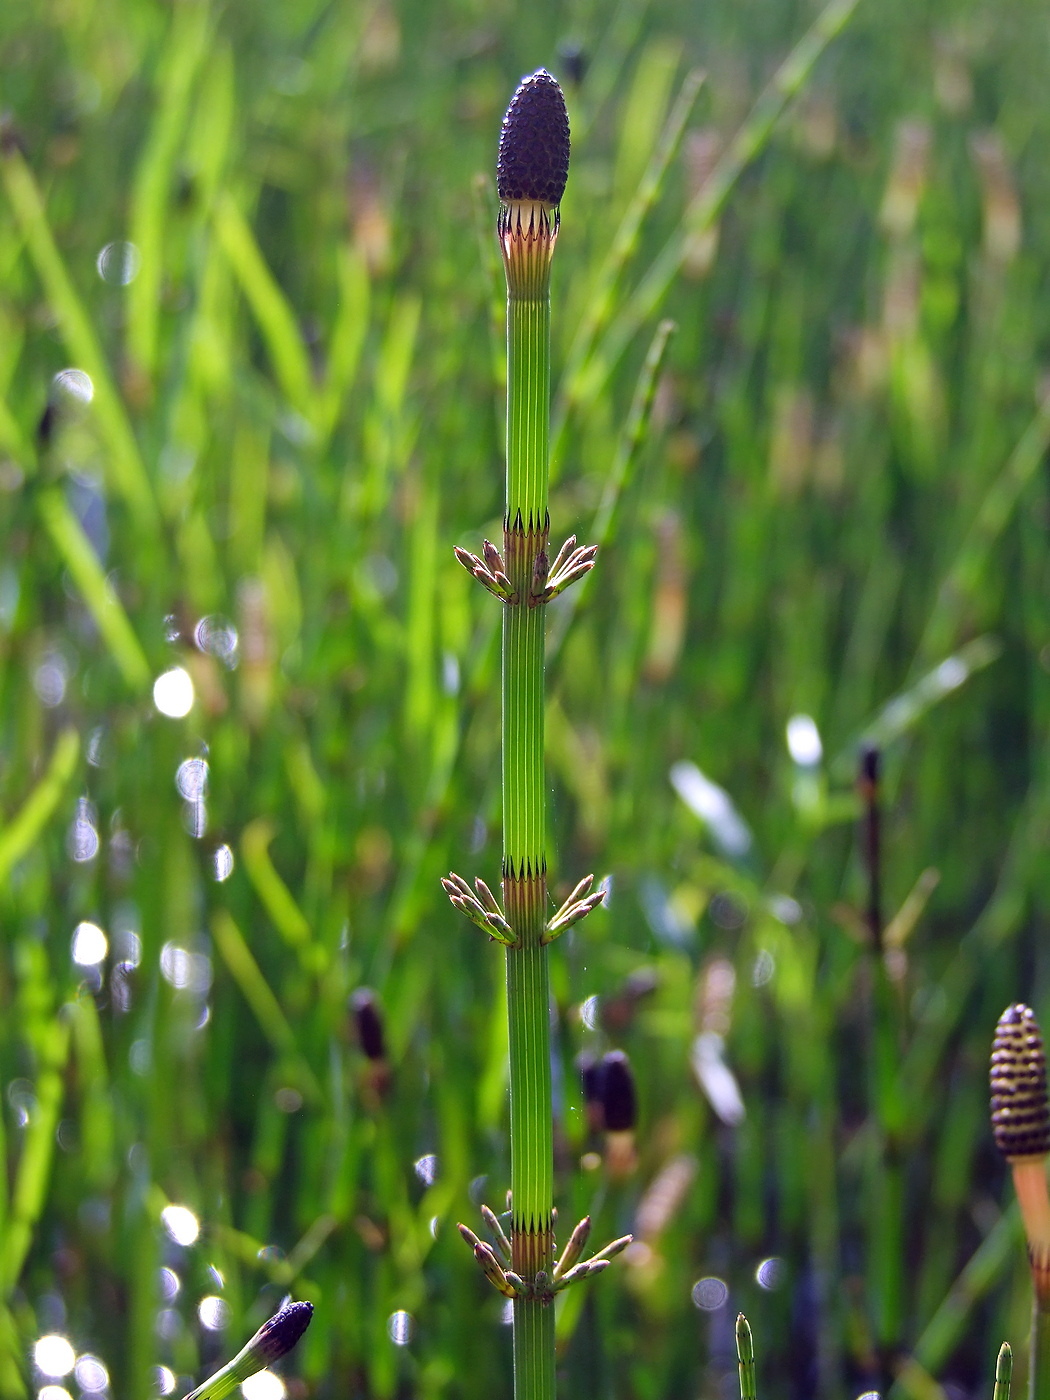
point(534, 143)
point(869, 764)
point(618, 1094)
point(1020, 1112)
point(369, 1023)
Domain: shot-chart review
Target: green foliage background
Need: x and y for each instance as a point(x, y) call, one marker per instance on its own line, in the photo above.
point(834, 503)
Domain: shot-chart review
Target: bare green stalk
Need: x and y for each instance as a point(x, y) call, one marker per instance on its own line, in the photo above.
point(533, 166)
point(1004, 1369)
point(1039, 1355)
point(528, 228)
point(745, 1351)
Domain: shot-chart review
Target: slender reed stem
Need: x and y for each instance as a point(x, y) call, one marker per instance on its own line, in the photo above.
point(1004, 1372)
point(1004, 1369)
point(1039, 1357)
point(524, 860)
point(529, 192)
point(745, 1353)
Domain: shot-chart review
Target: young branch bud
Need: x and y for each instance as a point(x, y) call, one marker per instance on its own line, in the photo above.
point(573, 1275)
point(496, 582)
point(490, 1267)
point(571, 913)
point(575, 1247)
point(490, 921)
point(488, 899)
point(502, 1243)
point(613, 1249)
point(493, 558)
point(563, 553)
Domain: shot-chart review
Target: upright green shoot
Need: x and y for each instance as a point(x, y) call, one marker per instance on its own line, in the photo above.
point(745, 1354)
point(1004, 1369)
point(533, 167)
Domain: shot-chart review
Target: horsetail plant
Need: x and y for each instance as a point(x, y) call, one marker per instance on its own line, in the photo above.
point(531, 173)
point(1021, 1125)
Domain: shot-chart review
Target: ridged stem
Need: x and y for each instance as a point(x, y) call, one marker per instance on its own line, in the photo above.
point(528, 406)
point(1039, 1360)
point(533, 1350)
point(1004, 1369)
point(524, 860)
point(523, 795)
point(531, 1131)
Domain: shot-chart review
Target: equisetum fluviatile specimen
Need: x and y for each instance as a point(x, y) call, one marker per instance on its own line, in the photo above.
point(532, 169)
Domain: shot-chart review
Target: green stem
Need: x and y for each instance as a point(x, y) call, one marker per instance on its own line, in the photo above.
point(533, 1350)
point(745, 1353)
point(531, 1131)
point(523, 805)
point(1039, 1359)
point(524, 856)
point(1004, 1368)
point(528, 405)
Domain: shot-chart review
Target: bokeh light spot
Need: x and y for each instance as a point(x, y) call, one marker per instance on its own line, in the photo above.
point(400, 1326)
point(710, 1294)
point(89, 945)
point(214, 1313)
point(53, 1355)
point(181, 1224)
point(264, 1385)
point(173, 693)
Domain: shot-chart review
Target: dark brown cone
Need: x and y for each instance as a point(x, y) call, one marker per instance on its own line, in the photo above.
point(276, 1337)
point(533, 159)
point(618, 1094)
point(1020, 1111)
point(369, 1022)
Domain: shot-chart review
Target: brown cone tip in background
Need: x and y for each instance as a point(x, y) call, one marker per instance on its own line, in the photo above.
point(869, 764)
point(1020, 1111)
point(369, 1021)
point(533, 159)
point(618, 1093)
